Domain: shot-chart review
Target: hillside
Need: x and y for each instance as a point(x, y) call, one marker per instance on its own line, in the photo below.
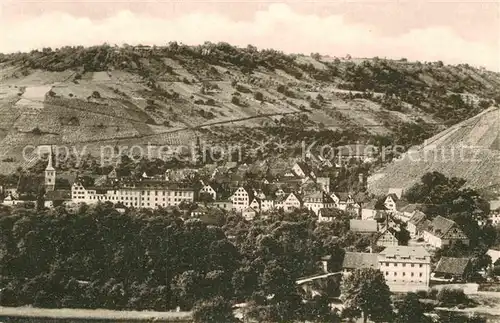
point(469, 149)
point(125, 96)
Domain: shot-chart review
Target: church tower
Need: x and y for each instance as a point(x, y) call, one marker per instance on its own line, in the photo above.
point(50, 174)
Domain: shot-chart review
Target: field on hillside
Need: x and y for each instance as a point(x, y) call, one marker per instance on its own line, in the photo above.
point(57, 97)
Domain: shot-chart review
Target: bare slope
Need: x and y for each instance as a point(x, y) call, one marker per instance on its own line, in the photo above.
point(470, 149)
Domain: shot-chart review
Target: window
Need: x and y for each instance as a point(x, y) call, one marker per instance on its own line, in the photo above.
point(395, 264)
point(395, 274)
point(421, 265)
point(404, 265)
point(412, 265)
point(420, 274)
point(412, 274)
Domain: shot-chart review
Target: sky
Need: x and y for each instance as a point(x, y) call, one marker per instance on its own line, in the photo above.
point(458, 31)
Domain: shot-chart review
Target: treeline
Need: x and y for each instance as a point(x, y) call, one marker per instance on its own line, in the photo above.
point(97, 257)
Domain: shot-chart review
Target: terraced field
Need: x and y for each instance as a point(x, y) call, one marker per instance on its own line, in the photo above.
point(164, 97)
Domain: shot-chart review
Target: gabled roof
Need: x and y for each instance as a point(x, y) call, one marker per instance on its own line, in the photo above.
point(391, 231)
point(439, 226)
point(394, 197)
point(358, 260)
point(454, 266)
point(365, 226)
point(305, 167)
point(410, 208)
point(417, 218)
point(398, 191)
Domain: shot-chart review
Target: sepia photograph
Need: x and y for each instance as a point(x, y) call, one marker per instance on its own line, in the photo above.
point(225, 161)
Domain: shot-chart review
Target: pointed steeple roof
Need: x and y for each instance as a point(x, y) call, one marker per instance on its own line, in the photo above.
point(49, 164)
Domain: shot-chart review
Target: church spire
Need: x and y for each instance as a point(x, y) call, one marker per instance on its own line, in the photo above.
point(49, 164)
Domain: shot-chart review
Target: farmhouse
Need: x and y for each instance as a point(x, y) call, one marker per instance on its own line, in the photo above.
point(442, 231)
point(454, 269)
point(359, 260)
point(414, 225)
point(387, 238)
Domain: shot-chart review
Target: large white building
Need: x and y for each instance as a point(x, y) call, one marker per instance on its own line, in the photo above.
point(143, 194)
point(405, 268)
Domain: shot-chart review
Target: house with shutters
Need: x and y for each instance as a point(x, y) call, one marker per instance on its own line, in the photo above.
point(441, 232)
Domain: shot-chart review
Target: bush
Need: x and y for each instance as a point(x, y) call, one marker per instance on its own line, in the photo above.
point(96, 95)
point(242, 89)
point(258, 96)
point(36, 131)
point(235, 100)
point(452, 296)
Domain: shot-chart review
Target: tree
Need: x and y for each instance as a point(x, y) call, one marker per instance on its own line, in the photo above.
point(216, 310)
point(410, 310)
point(366, 294)
point(206, 198)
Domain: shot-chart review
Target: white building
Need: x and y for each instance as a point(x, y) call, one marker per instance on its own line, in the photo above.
point(415, 223)
point(240, 199)
point(442, 231)
point(140, 195)
point(405, 268)
point(494, 216)
point(318, 200)
point(50, 175)
point(288, 203)
point(207, 189)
